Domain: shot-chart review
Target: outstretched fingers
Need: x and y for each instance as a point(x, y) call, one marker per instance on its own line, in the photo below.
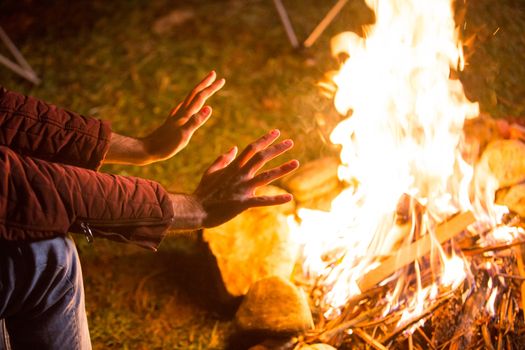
point(222, 161)
point(263, 201)
point(175, 110)
point(262, 157)
point(271, 175)
point(198, 96)
point(204, 83)
point(257, 146)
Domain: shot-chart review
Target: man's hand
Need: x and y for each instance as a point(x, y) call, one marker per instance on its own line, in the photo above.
point(173, 135)
point(228, 186)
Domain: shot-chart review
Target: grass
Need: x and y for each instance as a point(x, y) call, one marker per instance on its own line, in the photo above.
point(102, 58)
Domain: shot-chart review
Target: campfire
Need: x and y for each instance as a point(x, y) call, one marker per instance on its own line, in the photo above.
point(411, 238)
point(413, 252)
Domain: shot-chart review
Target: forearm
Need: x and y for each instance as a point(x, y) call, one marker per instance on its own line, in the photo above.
point(126, 150)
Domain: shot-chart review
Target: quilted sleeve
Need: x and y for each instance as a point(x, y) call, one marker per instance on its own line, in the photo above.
point(40, 199)
point(41, 130)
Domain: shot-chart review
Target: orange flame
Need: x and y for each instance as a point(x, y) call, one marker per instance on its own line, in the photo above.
point(402, 139)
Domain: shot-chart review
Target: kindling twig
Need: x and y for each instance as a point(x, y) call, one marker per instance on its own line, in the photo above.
point(486, 337)
point(429, 342)
point(368, 338)
point(328, 334)
point(496, 247)
point(416, 319)
point(521, 270)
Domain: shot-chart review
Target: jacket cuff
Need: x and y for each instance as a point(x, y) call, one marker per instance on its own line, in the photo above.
point(102, 147)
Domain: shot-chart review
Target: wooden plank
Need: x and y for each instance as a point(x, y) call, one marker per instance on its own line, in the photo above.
point(407, 254)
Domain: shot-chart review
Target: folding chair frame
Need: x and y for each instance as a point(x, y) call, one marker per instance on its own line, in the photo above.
point(21, 67)
point(318, 30)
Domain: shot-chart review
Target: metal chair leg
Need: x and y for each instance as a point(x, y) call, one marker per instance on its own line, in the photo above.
point(21, 68)
point(283, 14)
point(318, 30)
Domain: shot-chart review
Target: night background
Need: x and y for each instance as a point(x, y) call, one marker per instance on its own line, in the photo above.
point(130, 62)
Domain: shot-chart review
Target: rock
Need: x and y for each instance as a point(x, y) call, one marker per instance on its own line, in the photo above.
point(314, 179)
point(514, 199)
point(254, 245)
point(318, 346)
point(276, 306)
point(275, 344)
point(506, 161)
point(173, 19)
point(481, 131)
point(259, 347)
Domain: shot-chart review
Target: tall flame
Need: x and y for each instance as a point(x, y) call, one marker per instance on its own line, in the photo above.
point(402, 147)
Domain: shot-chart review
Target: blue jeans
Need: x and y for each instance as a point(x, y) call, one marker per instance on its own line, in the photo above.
point(42, 295)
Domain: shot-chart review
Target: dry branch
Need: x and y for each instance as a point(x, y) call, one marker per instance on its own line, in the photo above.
point(492, 248)
point(369, 339)
point(421, 247)
point(521, 270)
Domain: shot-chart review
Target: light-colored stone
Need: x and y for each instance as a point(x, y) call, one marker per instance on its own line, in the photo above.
point(314, 179)
point(318, 346)
point(481, 131)
point(278, 343)
point(275, 306)
point(506, 161)
point(254, 245)
point(514, 199)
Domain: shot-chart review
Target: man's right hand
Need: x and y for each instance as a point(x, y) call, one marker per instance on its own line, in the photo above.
point(228, 186)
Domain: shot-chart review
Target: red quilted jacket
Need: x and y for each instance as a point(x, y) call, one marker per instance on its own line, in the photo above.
point(49, 184)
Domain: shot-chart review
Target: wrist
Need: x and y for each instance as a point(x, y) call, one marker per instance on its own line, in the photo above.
point(188, 213)
point(127, 150)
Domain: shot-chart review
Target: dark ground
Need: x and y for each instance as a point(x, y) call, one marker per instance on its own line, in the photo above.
point(102, 58)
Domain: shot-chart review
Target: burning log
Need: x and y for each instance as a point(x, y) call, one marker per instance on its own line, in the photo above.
point(481, 131)
point(514, 199)
point(406, 255)
point(506, 161)
point(314, 180)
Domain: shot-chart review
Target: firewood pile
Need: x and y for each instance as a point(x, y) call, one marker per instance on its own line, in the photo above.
point(456, 319)
point(484, 312)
